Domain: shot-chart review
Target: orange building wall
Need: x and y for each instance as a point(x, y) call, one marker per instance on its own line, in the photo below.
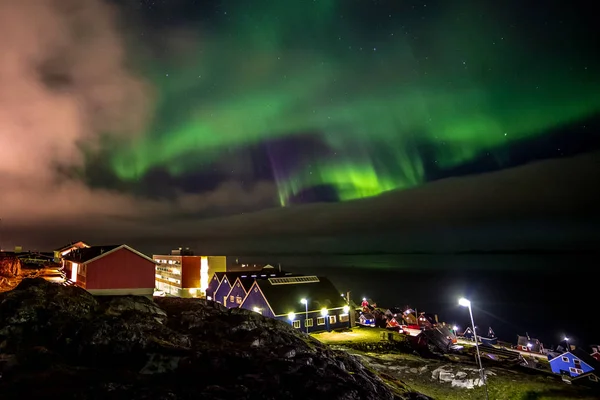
point(190, 271)
point(122, 269)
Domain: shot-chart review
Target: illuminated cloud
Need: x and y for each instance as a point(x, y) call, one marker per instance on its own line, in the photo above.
point(65, 86)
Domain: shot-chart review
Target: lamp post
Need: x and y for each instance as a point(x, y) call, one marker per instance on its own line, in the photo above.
point(466, 303)
point(346, 310)
point(324, 313)
point(305, 302)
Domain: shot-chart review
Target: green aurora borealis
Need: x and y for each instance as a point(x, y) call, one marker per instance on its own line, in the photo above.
point(459, 81)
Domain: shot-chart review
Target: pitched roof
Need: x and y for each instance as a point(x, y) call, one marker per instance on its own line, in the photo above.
point(586, 358)
point(88, 254)
point(286, 298)
point(247, 283)
point(72, 244)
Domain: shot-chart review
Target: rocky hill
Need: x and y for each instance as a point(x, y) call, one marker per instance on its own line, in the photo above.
point(61, 342)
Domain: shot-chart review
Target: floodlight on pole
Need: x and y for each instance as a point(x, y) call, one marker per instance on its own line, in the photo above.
point(466, 303)
point(305, 302)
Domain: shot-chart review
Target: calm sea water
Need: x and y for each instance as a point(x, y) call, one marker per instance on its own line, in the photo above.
point(544, 295)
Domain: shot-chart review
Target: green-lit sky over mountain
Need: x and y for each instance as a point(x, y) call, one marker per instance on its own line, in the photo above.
point(148, 112)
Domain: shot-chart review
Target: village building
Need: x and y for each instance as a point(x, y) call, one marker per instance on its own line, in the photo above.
point(596, 352)
point(367, 319)
point(183, 274)
point(525, 343)
point(222, 283)
point(574, 363)
point(66, 249)
point(491, 338)
point(238, 292)
point(110, 270)
point(468, 334)
point(309, 303)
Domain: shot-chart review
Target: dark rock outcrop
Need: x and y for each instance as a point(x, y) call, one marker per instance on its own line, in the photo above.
point(58, 341)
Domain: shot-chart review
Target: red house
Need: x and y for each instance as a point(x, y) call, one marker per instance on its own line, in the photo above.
point(111, 270)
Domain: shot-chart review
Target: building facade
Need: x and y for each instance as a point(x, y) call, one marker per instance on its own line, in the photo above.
point(571, 364)
point(110, 270)
point(183, 274)
point(238, 292)
point(308, 303)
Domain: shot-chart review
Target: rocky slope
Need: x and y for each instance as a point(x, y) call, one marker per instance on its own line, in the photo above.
point(61, 342)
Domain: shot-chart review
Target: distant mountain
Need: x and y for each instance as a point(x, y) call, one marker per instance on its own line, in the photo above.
point(546, 205)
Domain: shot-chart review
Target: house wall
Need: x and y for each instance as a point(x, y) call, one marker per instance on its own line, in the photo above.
point(315, 315)
point(236, 295)
point(255, 298)
point(222, 291)
point(190, 272)
point(212, 286)
point(169, 274)
point(557, 364)
point(217, 264)
point(122, 272)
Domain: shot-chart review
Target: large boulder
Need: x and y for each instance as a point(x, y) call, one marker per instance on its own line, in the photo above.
point(126, 348)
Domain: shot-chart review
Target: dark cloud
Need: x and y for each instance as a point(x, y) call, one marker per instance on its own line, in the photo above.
point(548, 204)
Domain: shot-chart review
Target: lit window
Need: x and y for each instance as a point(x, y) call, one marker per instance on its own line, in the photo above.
point(320, 321)
point(238, 300)
point(308, 322)
point(332, 319)
point(231, 299)
point(344, 318)
point(297, 324)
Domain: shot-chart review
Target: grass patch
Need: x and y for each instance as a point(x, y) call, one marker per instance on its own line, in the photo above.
point(356, 334)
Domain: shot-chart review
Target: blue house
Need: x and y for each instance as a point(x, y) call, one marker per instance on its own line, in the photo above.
point(491, 338)
point(213, 285)
point(281, 298)
point(367, 319)
point(573, 363)
point(468, 334)
point(238, 291)
point(221, 283)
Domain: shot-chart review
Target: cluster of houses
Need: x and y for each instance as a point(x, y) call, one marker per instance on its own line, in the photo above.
point(309, 303)
point(575, 364)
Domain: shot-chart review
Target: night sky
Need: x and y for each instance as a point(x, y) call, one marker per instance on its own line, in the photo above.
point(240, 121)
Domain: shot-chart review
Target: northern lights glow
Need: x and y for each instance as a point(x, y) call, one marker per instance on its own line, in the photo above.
point(384, 96)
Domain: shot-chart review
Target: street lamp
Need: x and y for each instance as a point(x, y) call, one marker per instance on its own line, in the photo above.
point(455, 329)
point(305, 302)
point(292, 317)
point(346, 310)
point(466, 303)
point(324, 315)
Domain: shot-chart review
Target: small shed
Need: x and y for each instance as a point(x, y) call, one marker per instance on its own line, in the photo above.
point(366, 319)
